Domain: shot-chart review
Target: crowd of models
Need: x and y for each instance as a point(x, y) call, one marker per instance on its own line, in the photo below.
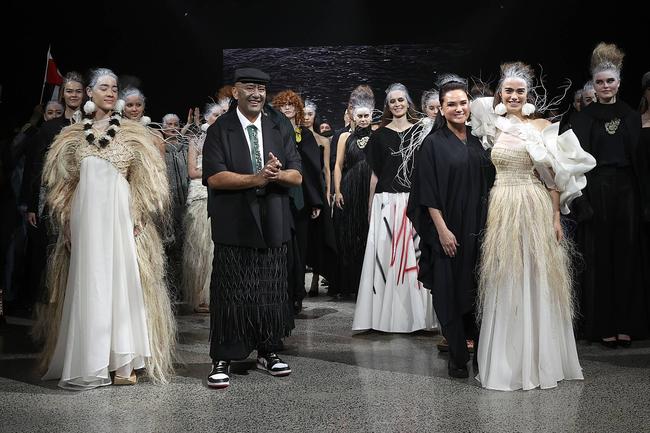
point(506, 228)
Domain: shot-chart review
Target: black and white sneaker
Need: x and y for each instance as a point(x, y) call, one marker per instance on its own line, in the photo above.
point(271, 363)
point(219, 377)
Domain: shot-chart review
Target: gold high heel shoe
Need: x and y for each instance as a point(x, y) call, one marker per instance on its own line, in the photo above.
point(131, 380)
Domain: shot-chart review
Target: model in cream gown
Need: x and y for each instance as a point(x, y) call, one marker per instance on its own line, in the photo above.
point(527, 338)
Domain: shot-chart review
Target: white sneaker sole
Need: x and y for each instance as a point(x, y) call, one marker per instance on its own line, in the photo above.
point(218, 385)
point(274, 373)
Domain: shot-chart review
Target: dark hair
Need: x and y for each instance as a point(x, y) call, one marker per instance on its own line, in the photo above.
point(444, 89)
point(643, 105)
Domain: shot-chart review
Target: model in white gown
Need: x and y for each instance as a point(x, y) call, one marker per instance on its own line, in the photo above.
point(109, 309)
point(197, 248)
point(526, 337)
point(103, 327)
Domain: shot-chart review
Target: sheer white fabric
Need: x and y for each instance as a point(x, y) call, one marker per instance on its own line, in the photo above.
point(391, 299)
point(103, 326)
point(526, 333)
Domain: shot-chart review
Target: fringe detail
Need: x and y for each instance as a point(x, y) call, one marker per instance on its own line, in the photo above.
point(351, 225)
point(48, 315)
point(515, 210)
point(61, 172)
point(249, 301)
point(198, 250)
point(160, 318)
point(150, 206)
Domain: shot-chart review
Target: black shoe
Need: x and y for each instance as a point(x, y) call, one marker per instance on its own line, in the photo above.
point(272, 364)
point(219, 377)
point(457, 372)
point(609, 344)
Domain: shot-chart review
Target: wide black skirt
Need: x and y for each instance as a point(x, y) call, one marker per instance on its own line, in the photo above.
point(249, 302)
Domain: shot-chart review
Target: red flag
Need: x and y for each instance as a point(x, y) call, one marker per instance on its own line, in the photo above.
point(52, 76)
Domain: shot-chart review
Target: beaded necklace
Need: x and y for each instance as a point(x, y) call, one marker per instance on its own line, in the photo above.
point(109, 134)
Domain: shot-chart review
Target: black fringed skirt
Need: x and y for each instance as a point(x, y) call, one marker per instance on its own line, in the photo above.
point(249, 302)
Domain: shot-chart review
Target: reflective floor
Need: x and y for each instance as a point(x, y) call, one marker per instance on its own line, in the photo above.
point(341, 382)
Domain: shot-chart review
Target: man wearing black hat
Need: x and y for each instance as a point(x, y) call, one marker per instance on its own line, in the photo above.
point(249, 164)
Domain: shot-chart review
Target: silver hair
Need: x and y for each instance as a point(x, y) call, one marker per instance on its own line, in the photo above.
point(588, 87)
point(310, 104)
point(516, 70)
point(170, 116)
point(362, 100)
point(449, 78)
point(427, 96)
point(96, 74)
point(401, 87)
point(211, 108)
point(132, 91)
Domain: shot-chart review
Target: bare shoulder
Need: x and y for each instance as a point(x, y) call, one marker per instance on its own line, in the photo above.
point(343, 138)
point(540, 124)
point(322, 141)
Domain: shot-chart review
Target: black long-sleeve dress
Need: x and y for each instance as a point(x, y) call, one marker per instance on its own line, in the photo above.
point(613, 291)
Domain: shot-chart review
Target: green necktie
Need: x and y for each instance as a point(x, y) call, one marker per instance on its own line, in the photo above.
point(256, 159)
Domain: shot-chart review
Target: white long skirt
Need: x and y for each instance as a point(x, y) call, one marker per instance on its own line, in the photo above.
point(103, 326)
point(526, 334)
point(198, 248)
point(391, 299)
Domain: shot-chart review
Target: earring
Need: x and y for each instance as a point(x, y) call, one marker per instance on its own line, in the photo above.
point(527, 109)
point(500, 109)
point(119, 106)
point(89, 107)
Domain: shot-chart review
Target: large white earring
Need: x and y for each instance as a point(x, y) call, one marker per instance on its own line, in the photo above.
point(500, 109)
point(89, 107)
point(527, 109)
point(119, 106)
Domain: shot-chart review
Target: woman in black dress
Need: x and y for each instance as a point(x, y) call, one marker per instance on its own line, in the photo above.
point(351, 190)
point(614, 304)
point(448, 207)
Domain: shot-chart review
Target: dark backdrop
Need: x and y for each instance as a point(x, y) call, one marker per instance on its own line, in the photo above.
point(175, 47)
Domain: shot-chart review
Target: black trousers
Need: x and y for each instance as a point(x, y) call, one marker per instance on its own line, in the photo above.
point(457, 332)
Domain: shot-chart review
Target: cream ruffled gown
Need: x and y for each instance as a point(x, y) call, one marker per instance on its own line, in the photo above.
point(527, 338)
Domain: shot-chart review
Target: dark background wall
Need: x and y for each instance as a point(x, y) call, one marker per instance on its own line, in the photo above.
point(175, 47)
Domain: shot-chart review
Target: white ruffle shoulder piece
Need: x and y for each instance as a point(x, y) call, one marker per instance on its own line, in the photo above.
point(483, 120)
point(561, 162)
point(558, 158)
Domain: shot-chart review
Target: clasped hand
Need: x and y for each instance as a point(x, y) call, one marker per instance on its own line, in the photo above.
point(272, 170)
